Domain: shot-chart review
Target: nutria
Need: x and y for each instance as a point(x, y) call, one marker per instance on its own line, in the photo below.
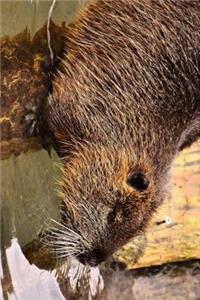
point(125, 101)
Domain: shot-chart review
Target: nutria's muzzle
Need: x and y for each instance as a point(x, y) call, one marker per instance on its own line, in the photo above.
point(92, 258)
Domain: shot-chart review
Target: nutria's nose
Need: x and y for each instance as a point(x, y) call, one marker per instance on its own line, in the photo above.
point(93, 258)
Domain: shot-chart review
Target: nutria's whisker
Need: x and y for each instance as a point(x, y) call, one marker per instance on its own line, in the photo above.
point(66, 228)
point(59, 237)
point(63, 241)
point(65, 255)
point(57, 232)
point(64, 244)
point(66, 250)
point(71, 233)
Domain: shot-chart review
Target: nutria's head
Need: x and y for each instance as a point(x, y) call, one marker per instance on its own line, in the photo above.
point(108, 197)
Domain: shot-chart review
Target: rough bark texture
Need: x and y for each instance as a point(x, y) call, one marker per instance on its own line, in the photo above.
point(26, 74)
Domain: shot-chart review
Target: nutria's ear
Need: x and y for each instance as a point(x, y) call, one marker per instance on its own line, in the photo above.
point(138, 181)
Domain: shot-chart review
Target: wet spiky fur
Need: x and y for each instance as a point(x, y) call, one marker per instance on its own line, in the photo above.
point(127, 98)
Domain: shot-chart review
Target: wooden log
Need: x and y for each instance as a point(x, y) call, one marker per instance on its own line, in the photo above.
point(26, 75)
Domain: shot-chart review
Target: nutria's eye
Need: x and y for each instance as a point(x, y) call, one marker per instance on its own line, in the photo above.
point(112, 216)
point(138, 181)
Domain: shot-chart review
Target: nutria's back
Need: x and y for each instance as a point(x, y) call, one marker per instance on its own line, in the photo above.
point(126, 100)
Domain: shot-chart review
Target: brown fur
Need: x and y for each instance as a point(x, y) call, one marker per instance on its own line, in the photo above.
point(127, 98)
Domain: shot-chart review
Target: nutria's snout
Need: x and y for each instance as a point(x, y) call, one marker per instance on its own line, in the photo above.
point(93, 258)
